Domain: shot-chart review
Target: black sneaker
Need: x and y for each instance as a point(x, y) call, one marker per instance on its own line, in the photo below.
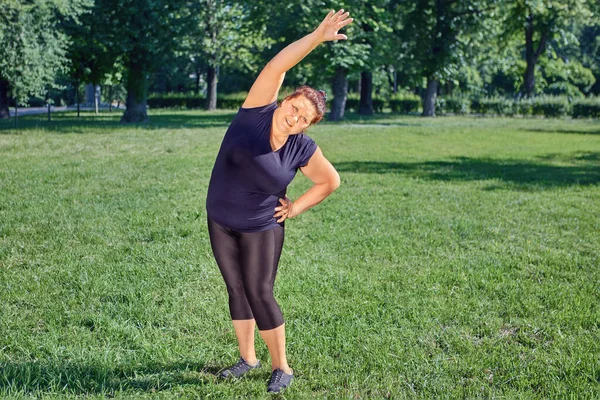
point(279, 381)
point(239, 369)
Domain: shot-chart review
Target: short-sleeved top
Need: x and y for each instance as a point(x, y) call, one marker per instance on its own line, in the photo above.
point(249, 178)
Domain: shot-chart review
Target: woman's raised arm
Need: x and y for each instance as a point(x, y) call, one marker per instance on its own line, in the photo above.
point(267, 85)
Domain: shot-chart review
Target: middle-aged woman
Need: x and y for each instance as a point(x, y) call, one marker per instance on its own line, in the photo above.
point(246, 204)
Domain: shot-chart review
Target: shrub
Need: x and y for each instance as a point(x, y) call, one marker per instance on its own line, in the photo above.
point(352, 102)
point(493, 105)
point(175, 100)
point(457, 104)
point(231, 101)
point(378, 104)
point(404, 103)
point(550, 106)
point(586, 108)
point(440, 105)
point(524, 107)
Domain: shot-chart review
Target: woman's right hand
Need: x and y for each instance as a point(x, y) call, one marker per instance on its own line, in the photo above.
point(333, 22)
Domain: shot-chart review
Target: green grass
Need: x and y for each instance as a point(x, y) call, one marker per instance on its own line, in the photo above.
point(459, 258)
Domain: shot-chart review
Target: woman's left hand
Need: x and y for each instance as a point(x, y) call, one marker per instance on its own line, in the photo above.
point(285, 210)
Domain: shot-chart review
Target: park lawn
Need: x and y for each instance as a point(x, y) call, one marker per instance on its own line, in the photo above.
point(459, 258)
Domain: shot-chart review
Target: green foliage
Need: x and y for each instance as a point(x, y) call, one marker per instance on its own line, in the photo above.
point(493, 105)
point(524, 106)
point(223, 35)
point(544, 22)
point(438, 34)
point(566, 78)
point(551, 106)
point(32, 48)
point(563, 89)
point(404, 103)
point(548, 106)
point(353, 103)
point(587, 108)
point(459, 105)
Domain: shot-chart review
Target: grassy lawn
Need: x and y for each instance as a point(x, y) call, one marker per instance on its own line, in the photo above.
point(459, 258)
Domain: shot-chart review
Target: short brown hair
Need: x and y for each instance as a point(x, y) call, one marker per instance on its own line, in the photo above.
point(316, 97)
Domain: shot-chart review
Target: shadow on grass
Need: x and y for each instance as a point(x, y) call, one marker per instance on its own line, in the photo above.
point(595, 131)
point(521, 174)
point(67, 122)
point(37, 378)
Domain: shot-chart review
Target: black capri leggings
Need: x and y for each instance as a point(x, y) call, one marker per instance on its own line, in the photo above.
point(248, 262)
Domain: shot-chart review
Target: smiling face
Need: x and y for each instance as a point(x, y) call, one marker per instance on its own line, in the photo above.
point(295, 115)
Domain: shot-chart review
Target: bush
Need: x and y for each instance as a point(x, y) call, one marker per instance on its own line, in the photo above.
point(231, 101)
point(524, 107)
point(457, 104)
point(493, 105)
point(551, 106)
point(378, 104)
point(177, 100)
point(404, 103)
point(586, 108)
point(352, 102)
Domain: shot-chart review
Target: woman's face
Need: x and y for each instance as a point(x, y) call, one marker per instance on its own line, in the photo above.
point(295, 115)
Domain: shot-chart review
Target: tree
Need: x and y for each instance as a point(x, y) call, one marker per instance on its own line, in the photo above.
point(89, 51)
point(32, 49)
point(541, 22)
point(374, 31)
point(141, 33)
point(329, 63)
point(224, 36)
point(437, 33)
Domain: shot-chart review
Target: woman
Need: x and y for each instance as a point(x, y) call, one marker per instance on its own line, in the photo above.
point(246, 203)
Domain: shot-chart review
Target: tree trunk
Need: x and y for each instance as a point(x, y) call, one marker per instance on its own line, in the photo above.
point(531, 55)
point(96, 98)
point(4, 99)
point(366, 93)
point(16, 110)
point(340, 94)
point(110, 89)
point(430, 98)
point(211, 88)
point(77, 96)
point(137, 87)
point(529, 78)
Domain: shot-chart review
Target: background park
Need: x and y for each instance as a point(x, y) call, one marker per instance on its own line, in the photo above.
point(458, 258)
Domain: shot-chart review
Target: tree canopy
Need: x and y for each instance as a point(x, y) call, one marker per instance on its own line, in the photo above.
point(426, 47)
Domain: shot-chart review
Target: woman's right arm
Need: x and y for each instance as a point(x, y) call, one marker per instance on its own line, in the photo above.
point(266, 87)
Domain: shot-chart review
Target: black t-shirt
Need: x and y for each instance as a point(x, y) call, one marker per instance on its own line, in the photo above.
point(249, 178)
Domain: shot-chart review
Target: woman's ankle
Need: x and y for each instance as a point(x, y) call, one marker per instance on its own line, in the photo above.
point(251, 360)
point(284, 368)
